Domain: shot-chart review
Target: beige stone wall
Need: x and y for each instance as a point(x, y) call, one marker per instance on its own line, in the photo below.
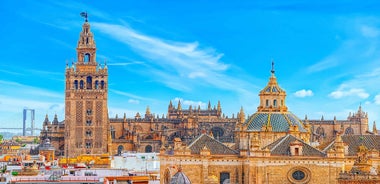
point(256, 170)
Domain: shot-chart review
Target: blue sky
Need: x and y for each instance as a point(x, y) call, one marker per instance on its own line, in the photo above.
point(327, 55)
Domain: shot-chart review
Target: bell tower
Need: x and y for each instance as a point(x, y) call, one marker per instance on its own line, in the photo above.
point(86, 93)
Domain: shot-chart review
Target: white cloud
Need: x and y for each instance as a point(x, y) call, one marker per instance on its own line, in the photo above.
point(194, 104)
point(176, 64)
point(377, 99)
point(368, 31)
point(133, 101)
point(303, 93)
point(344, 92)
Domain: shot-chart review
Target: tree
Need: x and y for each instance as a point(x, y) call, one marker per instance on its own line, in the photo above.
point(1, 138)
point(35, 140)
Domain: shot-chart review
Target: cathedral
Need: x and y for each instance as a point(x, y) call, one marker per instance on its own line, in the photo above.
point(87, 128)
point(200, 145)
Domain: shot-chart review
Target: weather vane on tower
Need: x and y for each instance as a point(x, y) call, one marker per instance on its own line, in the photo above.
point(272, 71)
point(84, 15)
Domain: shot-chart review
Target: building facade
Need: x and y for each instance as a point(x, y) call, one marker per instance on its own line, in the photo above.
point(272, 146)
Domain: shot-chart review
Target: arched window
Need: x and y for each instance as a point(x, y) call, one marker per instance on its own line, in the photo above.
point(89, 82)
point(224, 178)
point(102, 85)
point(349, 131)
point(87, 58)
point(120, 149)
point(217, 132)
point(96, 84)
point(148, 149)
point(86, 40)
point(81, 84)
point(76, 84)
point(267, 103)
point(320, 131)
point(282, 102)
point(275, 103)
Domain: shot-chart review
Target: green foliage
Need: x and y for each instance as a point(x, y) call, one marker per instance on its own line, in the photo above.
point(18, 140)
point(3, 169)
point(14, 173)
point(1, 138)
point(35, 140)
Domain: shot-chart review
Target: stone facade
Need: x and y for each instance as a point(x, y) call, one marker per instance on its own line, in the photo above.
point(272, 146)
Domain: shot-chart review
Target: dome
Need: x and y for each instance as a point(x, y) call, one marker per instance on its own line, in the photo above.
point(180, 178)
point(274, 121)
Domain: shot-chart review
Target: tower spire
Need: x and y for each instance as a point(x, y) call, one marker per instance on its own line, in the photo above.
point(374, 129)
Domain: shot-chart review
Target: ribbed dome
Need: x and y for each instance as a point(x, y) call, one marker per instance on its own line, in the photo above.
point(180, 178)
point(273, 121)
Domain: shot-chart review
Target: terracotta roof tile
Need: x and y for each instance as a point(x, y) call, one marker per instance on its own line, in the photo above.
point(215, 147)
point(282, 147)
point(354, 141)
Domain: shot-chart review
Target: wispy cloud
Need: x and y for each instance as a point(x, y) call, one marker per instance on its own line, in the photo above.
point(377, 99)
point(133, 101)
point(15, 88)
point(369, 31)
point(194, 104)
point(10, 72)
point(303, 93)
point(175, 64)
point(345, 91)
point(328, 62)
point(131, 95)
point(125, 63)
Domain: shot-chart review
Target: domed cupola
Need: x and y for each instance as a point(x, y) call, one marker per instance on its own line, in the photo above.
point(272, 97)
point(272, 113)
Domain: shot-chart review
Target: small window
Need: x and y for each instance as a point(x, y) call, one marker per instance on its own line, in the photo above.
point(148, 149)
point(275, 103)
point(81, 84)
point(89, 133)
point(89, 82)
point(224, 178)
point(88, 122)
point(76, 84)
point(86, 58)
point(102, 85)
point(296, 151)
point(267, 103)
point(89, 111)
point(88, 144)
point(96, 84)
